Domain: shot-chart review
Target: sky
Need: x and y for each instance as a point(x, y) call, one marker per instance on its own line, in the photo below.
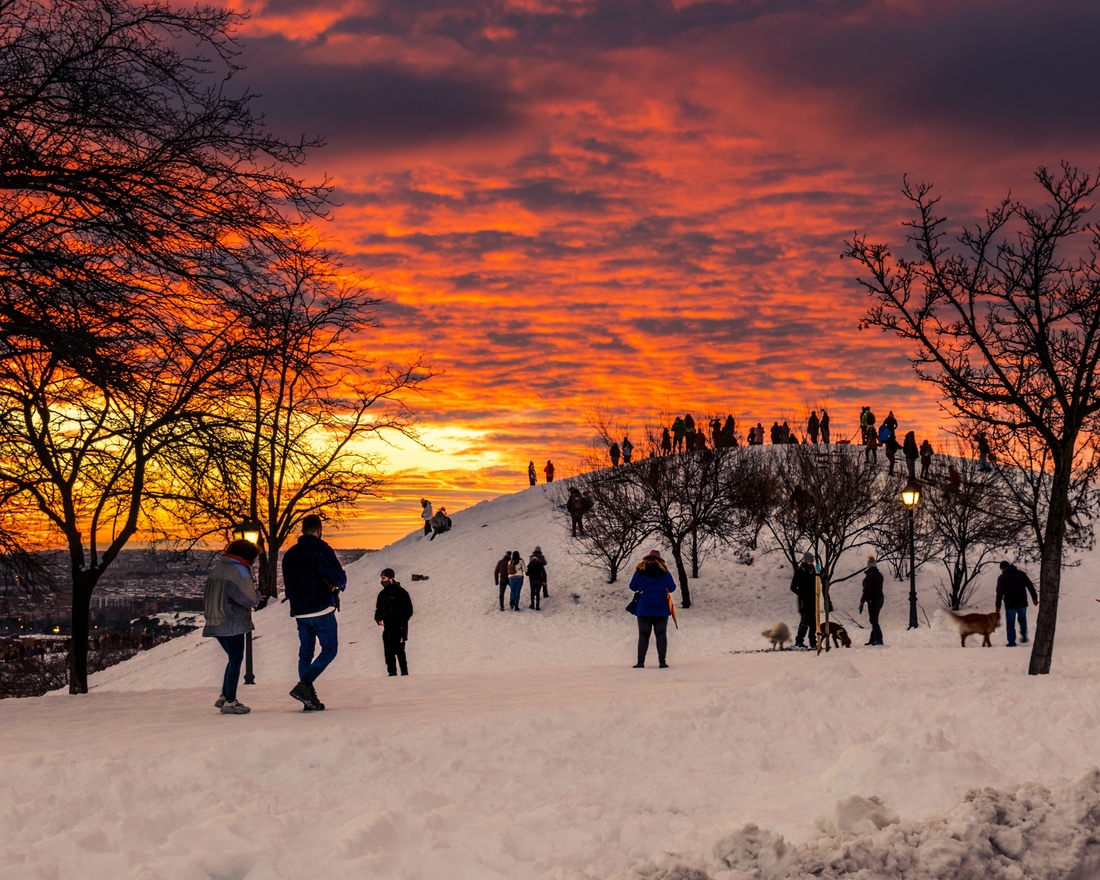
point(637, 207)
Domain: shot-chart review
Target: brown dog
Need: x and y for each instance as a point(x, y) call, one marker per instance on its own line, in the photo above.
point(977, 624)
point(839, 634)
point(778, 635)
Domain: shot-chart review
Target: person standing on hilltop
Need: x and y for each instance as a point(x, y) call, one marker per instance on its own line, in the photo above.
point(813, 426)
point(392, 611)
point(678, 431)
point(874, 598)
point(926, 454)
point(531, 473)
point(229, 599)
point(549, 471)
point(912, 453)
point(666, 442)
point(824, 424)
point(313, 580)
point(628, 450)
point(426, 515)
point(615, 454)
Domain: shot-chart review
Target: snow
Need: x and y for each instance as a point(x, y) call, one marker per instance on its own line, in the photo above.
point(523, 745)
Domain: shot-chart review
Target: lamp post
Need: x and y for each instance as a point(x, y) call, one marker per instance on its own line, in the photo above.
point(910, 495)
point(248, 530)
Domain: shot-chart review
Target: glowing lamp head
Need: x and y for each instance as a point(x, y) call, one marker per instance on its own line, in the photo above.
point(910, 495)
point(248, 530)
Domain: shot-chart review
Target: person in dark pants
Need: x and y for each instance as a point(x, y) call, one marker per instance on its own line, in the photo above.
point(1012, 589)
point(537, 554)
point(313, 580)
point(230, 597)
point(392, 611)
point(653, 586)
point(536, 577)
point(426, 515)
point(500, 575)
point(804, 586)
point(912, 453)
point(873, 598)
point(531, 473)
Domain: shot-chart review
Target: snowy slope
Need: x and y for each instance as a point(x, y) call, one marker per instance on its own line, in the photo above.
point(524, 745)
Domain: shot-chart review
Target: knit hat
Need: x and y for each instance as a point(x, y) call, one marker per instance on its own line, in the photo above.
point(807, 556)
point(654, 554)
point(871, 563)
point(388, 573)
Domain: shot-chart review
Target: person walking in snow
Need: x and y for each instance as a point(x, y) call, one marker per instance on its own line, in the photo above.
point(575, 504)
point(892, 447)
point(537, 553)
point(804, 586)
point(313, 580)
point(500, 575)
point(229, 598)
point(549, 471)
point(874, 598)
point(1012, 589)
point(536, 577)
point(531, 473)
point(392, 611)
point(516, 571)
point(653, 587)
point(426, 515)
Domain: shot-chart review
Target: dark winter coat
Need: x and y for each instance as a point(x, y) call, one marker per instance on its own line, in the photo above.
point(872, 586)
point(500, 574)
point(1012, 588)
point(393, 610)
point(536, 569)
point(804, 586)
point(310, 572)
point(652, 583)
point(230, 597)
point(910, 447)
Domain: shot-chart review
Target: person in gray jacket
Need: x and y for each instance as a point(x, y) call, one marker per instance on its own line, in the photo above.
point(230, 598)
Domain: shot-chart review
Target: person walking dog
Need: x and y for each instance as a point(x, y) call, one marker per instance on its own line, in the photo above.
point(653, 587)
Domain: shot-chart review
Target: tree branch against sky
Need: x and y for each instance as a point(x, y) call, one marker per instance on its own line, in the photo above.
point(1005, 323)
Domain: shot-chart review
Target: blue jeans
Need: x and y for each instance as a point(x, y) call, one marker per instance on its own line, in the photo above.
point(516, 584)
point(1011, 616)
point(310, 630)
point(234, 647)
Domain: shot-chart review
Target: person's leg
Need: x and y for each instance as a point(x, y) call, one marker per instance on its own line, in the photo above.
point(388, 649)
point(306, 645)
point(645, 625)
point(327, 635)
point(1010, 626)
point(427, 527)
point(806, 624)
point(399, 649)
point(660, 629)
point(503, 585)
point(1021, 617)
point(873, 609)
point(234, 649)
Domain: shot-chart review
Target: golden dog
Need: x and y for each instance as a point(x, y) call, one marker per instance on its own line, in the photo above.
point(977, 624)
point(778, 635)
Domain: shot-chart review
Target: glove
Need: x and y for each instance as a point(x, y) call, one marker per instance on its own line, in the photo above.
point(860, 607)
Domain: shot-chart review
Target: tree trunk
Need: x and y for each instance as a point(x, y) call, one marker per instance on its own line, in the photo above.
point(695, 553)
point(681, 575)
point(84, 582)
point(1050, 573)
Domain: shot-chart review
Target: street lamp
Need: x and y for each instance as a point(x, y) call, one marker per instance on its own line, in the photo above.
point(248, 530)
point(910, 496)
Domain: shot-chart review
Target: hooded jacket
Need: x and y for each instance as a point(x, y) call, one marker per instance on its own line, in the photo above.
point(230, 597)
point(393, 609)
point(872, 586)
point(653, 584)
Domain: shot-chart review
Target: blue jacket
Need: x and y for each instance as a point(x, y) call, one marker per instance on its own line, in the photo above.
point(652, 589)
point(310, 571)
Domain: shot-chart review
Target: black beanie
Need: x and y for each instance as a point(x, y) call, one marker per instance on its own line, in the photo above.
point(388, 573)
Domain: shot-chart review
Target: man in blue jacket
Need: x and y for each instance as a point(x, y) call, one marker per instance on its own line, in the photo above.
point(313, 580)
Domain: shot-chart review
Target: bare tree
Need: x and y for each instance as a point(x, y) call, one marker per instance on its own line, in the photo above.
point(135, 193)
point(1007, 327)
point(616, 526)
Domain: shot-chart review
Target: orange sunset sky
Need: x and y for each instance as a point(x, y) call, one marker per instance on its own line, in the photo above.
point(639, 205)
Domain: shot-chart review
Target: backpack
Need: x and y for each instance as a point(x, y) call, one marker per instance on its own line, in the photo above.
point(511, 569)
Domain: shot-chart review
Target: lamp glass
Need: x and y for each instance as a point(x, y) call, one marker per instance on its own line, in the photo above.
point(910, 495)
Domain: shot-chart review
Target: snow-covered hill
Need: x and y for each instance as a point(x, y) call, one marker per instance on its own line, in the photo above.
point(524, 745)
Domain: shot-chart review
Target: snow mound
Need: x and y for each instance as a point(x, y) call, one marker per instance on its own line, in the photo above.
point(1029, 833)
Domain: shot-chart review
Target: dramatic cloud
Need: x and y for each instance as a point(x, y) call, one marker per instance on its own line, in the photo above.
point(639, 205)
